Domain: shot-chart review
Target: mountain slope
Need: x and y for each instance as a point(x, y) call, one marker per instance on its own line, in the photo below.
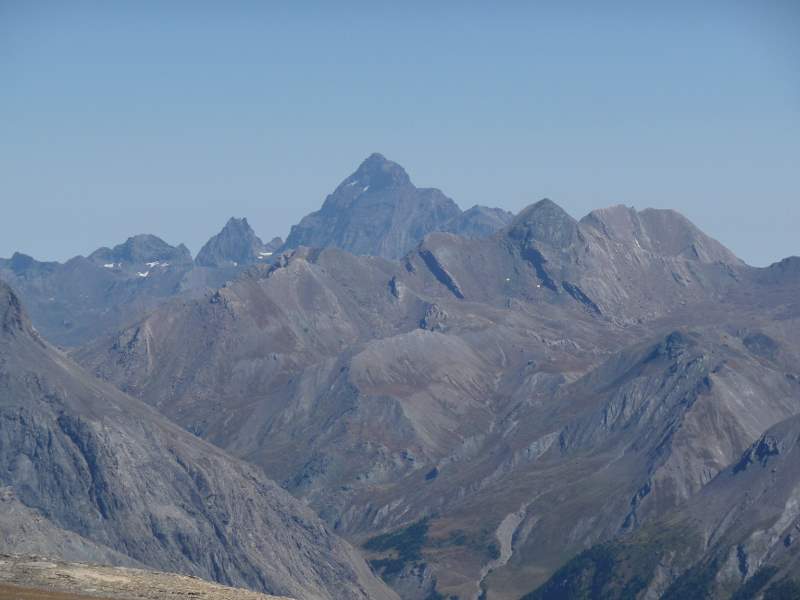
point(113, 478)
point(737, 538)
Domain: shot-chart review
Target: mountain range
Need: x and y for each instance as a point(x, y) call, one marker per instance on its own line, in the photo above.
point(76, 301)
point(484, 405)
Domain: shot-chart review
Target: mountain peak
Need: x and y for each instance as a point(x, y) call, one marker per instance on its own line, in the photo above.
point(142, 248)
point(13, 319)
point(236, 244)
point(545, 222)
point(375, 211)
point(238, 224)
point(661, 231)
point(378, 172)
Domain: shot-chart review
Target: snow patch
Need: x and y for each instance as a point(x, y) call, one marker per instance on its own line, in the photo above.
point(145, 274)
point(109, 265)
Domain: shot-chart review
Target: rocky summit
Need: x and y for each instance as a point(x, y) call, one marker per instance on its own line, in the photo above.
point(237, 244)
point(407, 400)
point(378, 211)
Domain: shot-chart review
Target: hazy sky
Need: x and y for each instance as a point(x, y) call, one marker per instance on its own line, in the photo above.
point(119, 118)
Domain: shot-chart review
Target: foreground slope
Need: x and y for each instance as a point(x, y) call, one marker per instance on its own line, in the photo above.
point(25, 577)
point(95, 475)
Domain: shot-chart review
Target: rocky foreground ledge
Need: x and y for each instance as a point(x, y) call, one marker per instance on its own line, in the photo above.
point(39, 578)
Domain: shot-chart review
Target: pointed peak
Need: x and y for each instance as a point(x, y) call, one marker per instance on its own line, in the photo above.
point(544, 208)
point(13, 319)
point(545, 222)
point(236, 224)
point(235, 245)
point(377, 172)
point(376, 157)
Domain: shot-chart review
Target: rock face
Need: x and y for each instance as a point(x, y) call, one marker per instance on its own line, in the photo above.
point(662, 232)
point(736, 538)
point(377, 211)
point(483, 410)
point(96, 475)
point(237, 244)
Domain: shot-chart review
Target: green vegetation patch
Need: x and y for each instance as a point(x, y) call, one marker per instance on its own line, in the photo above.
point(787, 589)
point(403, 546)
point(615, 570)
point(754, 585)
point(595, 574)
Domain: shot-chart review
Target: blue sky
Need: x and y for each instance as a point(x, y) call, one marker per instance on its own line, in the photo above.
point(119, 118)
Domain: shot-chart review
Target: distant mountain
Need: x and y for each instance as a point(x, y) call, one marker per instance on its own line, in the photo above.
point(75, 301)
point(142, 249)
point(479, 412)
point(377, 211)
point(87, 473)
point(662, 232)
point(237, 244)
